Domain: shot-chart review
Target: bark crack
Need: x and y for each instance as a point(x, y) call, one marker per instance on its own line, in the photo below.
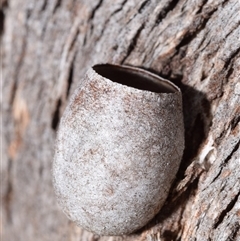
point(143, 6)
point(57, 5)
point(106, 23)
point(163, 13)
point(95, 9)
point(226, 161)
point(8, 196)
point(66, 64)
point(194, 28)
point(119, 9)
point(233, 29)
point(234, 122)
point(2, 16)
point(70, 78)
point(231, 57)
point(44, 6)
point(19, 63)
point(133, 43)
point(56, 115)
point(226, 211)
point(201, 7)
point(232, 152)
point(234, 234)
point(91, 17)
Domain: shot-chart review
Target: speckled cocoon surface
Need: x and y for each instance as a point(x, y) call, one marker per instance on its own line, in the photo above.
point(117, 152)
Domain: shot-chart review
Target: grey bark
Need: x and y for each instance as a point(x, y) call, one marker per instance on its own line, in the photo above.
point(46, 47)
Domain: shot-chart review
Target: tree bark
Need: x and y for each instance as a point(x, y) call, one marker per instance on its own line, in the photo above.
point(47, 47)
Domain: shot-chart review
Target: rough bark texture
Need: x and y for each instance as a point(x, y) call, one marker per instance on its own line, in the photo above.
point(47, 45)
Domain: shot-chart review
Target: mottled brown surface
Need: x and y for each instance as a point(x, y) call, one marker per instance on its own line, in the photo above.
point(118, 150)
point(47, 47)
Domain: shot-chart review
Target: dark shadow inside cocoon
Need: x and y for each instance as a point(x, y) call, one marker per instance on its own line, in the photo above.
point(134, 78)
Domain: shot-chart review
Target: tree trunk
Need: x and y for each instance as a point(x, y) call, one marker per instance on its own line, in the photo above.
point(47, 46)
